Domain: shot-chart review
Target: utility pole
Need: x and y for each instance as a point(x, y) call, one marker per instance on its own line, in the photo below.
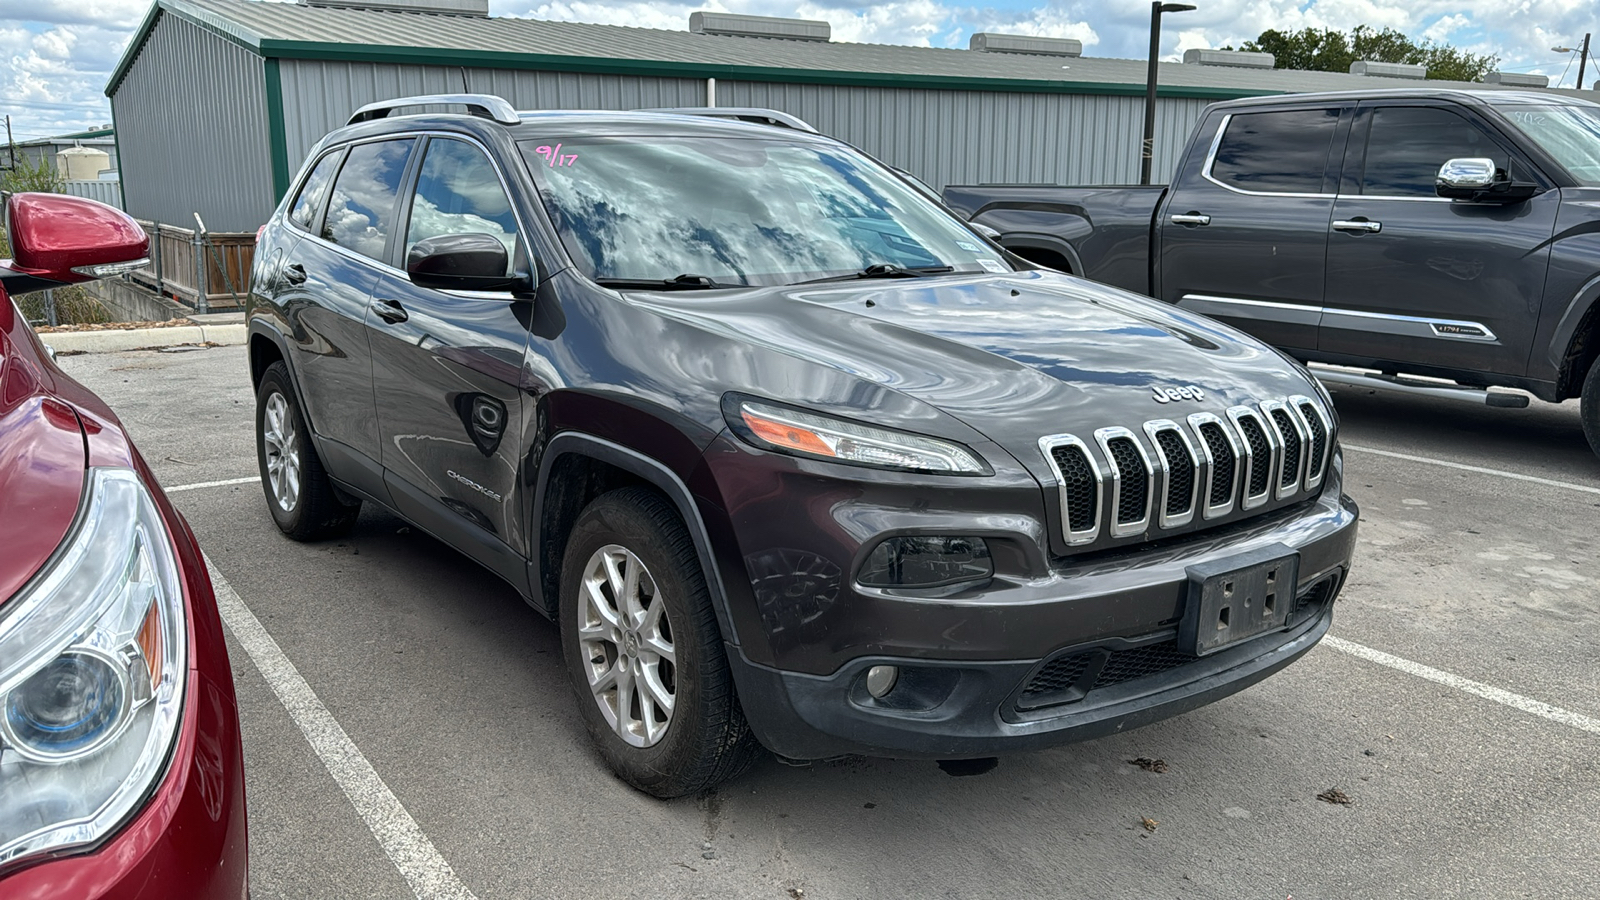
point(1148, 147)
point(1583, 60)
point(12, 145)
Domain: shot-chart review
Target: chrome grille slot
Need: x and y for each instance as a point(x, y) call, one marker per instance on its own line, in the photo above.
point(1131, 481)
point(1260, 455)
point(1222, 452)
point(1291, 435)
point(1179, 469)
point(1078, 482)
point(1317, 428)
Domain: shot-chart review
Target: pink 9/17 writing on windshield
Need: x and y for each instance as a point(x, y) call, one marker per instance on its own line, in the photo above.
point(554, 157)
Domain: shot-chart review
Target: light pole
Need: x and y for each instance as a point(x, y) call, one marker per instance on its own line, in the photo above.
point(1582, 60)
point(1156, 9)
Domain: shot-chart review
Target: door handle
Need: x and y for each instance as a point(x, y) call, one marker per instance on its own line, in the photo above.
point(294, 273)
point(1357, 226)
point(389, 310)
point(1191, 218)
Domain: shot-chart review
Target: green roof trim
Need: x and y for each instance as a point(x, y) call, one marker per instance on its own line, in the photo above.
point(433, 56)
point(272, 48)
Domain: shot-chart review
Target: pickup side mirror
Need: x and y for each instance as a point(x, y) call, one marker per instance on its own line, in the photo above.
point(462, 262)
point(64, 239)
point(1476, 179)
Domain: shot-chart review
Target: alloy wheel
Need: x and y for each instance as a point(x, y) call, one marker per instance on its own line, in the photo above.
point(281, 441)
point(625, 638)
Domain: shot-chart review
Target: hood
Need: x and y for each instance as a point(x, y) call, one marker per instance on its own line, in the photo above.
point(42, 465)
point(1016, 356)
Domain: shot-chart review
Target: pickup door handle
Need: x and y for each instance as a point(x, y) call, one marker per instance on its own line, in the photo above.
point(389, 310)
point(1357, 226)
point(1192, 218)
point(294, 273)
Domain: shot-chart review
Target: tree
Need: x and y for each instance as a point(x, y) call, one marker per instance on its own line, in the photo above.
point(28, 176)
point(1327, 50)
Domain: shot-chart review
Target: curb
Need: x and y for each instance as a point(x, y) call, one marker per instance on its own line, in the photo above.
point(143, 338)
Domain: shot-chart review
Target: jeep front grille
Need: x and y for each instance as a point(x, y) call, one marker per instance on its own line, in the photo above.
point(1176, 473)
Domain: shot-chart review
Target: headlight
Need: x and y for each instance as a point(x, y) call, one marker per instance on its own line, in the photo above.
point(821, 437)
point(92, 671)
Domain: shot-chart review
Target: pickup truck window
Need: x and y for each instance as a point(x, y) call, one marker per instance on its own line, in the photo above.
point(1407, 145)
point(1571, 134)
point(750, 211)
point(1281, 152)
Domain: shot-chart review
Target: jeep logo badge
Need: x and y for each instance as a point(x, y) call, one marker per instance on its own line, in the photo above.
point(1173, 394)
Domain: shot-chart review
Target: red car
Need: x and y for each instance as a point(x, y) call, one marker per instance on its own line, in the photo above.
point(121, 772)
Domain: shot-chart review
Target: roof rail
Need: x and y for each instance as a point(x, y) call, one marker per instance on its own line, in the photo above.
point(754, 114)
point(484, 106)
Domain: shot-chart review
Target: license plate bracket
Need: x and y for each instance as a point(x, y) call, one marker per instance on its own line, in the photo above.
point(1237, 598)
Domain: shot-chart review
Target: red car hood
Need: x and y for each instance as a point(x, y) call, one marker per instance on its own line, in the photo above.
point(42, 461)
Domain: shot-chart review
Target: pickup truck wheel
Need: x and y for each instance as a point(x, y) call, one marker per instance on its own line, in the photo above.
point(644, 652)
point(1590, 406)
point(303, 503)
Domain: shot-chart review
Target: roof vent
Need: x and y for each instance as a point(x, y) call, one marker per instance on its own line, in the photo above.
point(1387, 69)
point(1020, 43)
point(1239, 58)
point(476, 8)
point(731, 25)
point(1517, 79)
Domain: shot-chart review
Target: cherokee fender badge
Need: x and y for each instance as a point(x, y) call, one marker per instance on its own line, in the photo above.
point(1174, 394)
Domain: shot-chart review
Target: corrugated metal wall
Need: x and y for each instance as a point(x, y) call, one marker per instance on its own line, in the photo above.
point(943, 137)
point(191, 121)
point(970, 137)
point(107, 192)
point(320, 96)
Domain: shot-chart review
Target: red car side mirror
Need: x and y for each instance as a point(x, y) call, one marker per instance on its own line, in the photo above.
point(66, 239)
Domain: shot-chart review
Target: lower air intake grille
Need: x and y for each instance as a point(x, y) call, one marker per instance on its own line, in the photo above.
point(1260, 456)
point(1134, 478)
point(1078, 486)
point(1180, 472)
point(1291, 447)
point(1222, 463)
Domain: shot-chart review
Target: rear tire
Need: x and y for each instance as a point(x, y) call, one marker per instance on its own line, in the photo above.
point(644, 652)
point(1590, 406)
point(303, 502)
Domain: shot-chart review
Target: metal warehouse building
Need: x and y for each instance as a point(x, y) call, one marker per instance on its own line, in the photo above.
point(216, 102)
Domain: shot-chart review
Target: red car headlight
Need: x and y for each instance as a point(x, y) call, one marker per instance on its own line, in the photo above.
point(92, 673)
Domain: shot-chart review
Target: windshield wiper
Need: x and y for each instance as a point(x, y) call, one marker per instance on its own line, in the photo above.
point(680, 283)
point(884, 270)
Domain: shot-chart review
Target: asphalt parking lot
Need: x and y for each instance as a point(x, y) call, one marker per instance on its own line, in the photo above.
point(417, 724)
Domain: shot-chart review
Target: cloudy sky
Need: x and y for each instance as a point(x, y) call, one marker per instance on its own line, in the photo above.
point(55, 55)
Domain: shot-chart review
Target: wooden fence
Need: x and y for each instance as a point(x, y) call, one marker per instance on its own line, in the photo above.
point(208, 270)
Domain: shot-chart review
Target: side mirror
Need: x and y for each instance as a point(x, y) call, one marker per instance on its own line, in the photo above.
point(461, 262)
point(1476, 179)
point(60, 239)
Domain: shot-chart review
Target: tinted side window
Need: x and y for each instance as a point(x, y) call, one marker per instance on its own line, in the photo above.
point(1408, 144)
point(361, 213)
point(458, 192)
point(311, 193)
point(1280, 152)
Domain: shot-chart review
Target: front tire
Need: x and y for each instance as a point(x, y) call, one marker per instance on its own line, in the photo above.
point(644, 652)
point(1589, 406)
point(303, 502)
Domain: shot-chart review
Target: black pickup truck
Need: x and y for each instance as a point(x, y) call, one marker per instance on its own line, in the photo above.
point(1448, 234)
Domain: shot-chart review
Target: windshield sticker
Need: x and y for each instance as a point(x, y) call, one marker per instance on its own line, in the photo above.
point(991, 265)
point(554, 157)
point(969, 247)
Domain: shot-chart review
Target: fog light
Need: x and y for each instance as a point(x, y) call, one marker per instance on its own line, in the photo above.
point(926, 561)
point(881, 680)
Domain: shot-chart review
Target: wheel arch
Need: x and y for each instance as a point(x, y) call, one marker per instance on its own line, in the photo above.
point(1041, 248)
point(577, 467)
point(1578, 337)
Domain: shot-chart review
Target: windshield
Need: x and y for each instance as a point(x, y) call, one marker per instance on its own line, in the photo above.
point(748, 212)
point(1571, 134)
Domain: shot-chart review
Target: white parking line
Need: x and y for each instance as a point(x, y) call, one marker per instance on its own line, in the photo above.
point(205, 484)
point(1501, 473)
point(1487, 692)
point(405, 843)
